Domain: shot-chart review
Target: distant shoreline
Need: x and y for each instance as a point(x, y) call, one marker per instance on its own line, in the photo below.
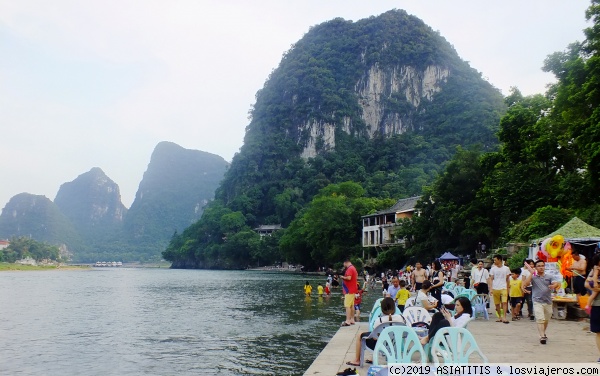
point(9, 267)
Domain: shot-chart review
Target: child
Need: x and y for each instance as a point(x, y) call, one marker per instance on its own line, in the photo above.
point(307, 288)
point(327, 288)
point(516, 293)
point(402, 296)
point(357, 301)
point(320, 290)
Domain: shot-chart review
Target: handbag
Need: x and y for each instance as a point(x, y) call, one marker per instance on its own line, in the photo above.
point(480, 278)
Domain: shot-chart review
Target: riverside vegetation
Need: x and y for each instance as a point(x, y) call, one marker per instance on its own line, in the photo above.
point(489, 170)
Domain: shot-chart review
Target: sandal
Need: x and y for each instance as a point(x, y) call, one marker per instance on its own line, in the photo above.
point(543, 340)
point(345, 324)
point(506, 322)
point(352, 364)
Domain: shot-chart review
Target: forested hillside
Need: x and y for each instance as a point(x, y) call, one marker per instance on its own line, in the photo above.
point(546, 171)
point(381, 102)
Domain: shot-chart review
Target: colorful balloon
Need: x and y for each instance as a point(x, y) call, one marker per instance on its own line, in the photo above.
point(544, 245)
point(542, 256)
point(555, 245)
point(566, 263)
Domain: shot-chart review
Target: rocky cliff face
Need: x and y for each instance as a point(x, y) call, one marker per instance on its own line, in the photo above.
point(172, 194)
point(38, 217)
point(375, 90)
point(92, 202)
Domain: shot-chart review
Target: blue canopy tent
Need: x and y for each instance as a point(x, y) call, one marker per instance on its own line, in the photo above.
point(448, 256)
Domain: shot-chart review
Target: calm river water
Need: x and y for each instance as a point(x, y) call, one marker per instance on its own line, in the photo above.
point(162, 322)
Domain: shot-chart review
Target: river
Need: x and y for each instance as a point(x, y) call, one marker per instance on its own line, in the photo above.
point(135, 321)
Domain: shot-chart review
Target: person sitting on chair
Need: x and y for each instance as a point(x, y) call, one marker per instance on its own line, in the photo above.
point(388, 308)
point(444, 318)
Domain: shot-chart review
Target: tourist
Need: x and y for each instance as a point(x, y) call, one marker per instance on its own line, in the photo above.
point(592, 284)
point(402, 296)
point(335, 283)
point(393, 288)
point(499, 275)
point(417, 277)
point(527, 290)
point(384, 286)
point(307, 288)
point(437, 282)
point(327, 288)
point(578, 268)
point(388, 308)
point(320, 290)
point(350, 281)
point(542, 296)
point(443, 318)
point(422, 299)
point(479, 278)
point(454, 273)
point(516, 293)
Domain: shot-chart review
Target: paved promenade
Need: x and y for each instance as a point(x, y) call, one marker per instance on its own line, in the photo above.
point(517, 342)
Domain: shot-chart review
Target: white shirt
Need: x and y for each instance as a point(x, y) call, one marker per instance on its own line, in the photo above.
point(420, 297)
point(499, 274)
point(461, 321)
point(479, 276)
point(524, 274)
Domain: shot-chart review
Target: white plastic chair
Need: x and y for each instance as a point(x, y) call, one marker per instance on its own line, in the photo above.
point(454, 346)
point(398, 344)
point(479, 304)
point(414, 315)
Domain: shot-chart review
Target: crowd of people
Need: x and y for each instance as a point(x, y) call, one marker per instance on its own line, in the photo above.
point(515, 294)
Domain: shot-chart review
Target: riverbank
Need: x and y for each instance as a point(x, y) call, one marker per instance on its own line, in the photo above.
point(5, 266)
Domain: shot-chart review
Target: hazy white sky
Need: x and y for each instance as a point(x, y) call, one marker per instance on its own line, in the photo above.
point(100, 83)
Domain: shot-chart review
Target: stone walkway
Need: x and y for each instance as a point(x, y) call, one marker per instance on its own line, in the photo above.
point(517, 342)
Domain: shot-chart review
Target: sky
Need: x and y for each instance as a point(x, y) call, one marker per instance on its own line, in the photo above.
point(100, 83)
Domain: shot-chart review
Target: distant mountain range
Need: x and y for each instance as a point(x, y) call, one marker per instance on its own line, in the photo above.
point(88, 216)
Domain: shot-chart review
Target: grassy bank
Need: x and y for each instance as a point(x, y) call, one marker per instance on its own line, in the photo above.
point(5, 266)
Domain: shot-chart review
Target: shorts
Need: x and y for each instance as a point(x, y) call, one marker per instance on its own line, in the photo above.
point(357, 307)
point(595, 319)
point(516, 300)
point(500, 296)
point(579, 285)
point(349, 300)
point(418, 286)
point(542, 312)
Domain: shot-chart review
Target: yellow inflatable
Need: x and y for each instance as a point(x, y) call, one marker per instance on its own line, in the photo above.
point(555, 245)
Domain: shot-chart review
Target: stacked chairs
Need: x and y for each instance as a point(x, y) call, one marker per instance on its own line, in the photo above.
point(467, 293)
point(457, 290)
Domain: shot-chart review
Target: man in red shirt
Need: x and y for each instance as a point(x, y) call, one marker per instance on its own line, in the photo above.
point(350, 288)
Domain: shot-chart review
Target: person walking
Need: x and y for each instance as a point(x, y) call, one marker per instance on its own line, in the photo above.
point(350, 284)
point(595, 304)
point(541, 293)
point(527, 290)
point(499, 274)
point(417, 277)
point(437, 282)
point(479, 279)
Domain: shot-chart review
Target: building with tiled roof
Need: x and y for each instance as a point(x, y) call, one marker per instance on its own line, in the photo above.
point(378, 228)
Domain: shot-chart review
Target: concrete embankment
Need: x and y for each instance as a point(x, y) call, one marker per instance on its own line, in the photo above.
point(517, 342)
